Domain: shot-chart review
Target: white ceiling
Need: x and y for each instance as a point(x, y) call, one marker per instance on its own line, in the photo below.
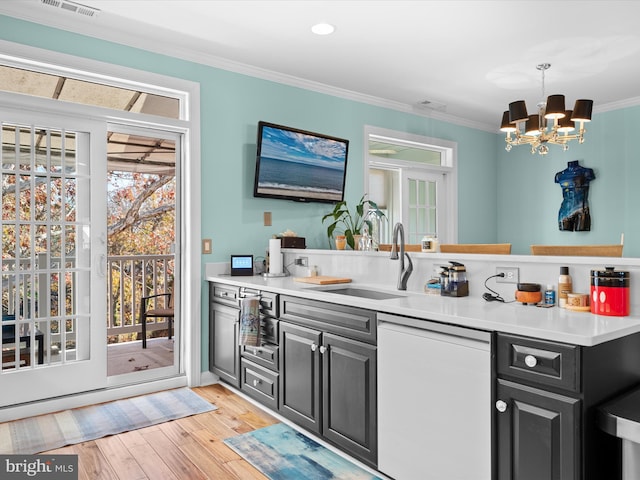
point(471, 58)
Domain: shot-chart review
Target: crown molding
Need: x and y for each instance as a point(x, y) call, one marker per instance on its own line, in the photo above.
point(191, 49)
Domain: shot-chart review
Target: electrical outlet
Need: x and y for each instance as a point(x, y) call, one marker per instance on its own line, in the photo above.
point(511, 274)
point(302, 261)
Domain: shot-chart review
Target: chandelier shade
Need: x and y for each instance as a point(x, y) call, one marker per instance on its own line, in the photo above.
point(582, 110)
point(551, 124)
point(566, 124)
point(518, 111)
point(555, 107)
point(532, 125)
point(506, 125)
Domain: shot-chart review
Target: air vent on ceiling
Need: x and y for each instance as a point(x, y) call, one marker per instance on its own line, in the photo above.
point(72, 7)
point(431, 105)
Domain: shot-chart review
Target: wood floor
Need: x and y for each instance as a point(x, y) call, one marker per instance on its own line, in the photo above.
point(190, 448)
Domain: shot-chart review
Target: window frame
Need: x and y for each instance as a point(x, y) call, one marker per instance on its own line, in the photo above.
point(447, 169)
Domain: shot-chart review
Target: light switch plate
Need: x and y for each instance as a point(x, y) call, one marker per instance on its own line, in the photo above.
point(206, 246)
point(267, 219)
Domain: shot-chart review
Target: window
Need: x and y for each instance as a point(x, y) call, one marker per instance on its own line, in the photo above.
point(76, 90)
point(413, 180)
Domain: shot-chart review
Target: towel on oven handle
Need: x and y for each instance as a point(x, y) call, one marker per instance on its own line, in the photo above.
point(250, 321)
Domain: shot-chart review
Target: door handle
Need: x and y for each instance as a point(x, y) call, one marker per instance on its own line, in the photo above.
point(501, 406)
point(314, 347)
point(101, 261)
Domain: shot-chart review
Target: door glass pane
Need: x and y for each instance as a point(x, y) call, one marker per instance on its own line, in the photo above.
point(86, 93)
point(141, 184)
point(40, 268)
point(397, 149)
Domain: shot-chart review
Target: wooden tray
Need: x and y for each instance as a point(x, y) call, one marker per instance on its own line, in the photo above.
point(322, 280)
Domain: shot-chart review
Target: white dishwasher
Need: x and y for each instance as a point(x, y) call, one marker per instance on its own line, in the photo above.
point(434, 400)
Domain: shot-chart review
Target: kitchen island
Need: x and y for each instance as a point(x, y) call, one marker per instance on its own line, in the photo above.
point(555, 324)
point(546, 371)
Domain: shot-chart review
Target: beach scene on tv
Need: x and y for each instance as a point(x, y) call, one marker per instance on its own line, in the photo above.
point(301, 166)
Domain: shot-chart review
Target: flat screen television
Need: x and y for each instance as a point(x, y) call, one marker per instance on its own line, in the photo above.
point(298, 165)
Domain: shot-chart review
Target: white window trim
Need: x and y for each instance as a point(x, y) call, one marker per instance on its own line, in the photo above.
point(448, 168)
point(191, 305)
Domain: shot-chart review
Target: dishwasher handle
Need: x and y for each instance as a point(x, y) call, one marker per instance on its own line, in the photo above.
point(436, 331)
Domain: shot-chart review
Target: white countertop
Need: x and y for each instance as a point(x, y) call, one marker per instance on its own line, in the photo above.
point(556, 324)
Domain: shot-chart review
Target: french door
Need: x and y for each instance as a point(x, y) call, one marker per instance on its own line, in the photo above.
point(53, 256)
point(423, 208)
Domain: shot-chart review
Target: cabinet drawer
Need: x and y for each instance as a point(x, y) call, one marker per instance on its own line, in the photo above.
point(265, 355)
point(269, 329)
point(260, 383)
point(225, 294)
point(351, 322)
point(269, 304)
point(539, 361)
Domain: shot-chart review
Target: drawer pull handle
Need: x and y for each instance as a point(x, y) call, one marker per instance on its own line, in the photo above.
point(313, 347)
point(256, 383)
point(501, 406)
point(530, 361)
point(323, 349)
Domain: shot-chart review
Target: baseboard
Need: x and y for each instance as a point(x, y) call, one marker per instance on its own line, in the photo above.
point(208, 378)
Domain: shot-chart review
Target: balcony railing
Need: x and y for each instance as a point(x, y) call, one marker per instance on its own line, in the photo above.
point(129, 279)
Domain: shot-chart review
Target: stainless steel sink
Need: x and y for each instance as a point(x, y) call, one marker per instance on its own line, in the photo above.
point(364, 293)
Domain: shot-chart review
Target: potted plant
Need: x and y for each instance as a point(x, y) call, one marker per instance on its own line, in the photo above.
point(350, 223)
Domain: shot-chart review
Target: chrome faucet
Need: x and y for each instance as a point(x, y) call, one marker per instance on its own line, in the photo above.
point(404, 273)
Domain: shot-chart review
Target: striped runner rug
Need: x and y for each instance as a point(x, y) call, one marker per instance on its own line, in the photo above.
point(46, 432)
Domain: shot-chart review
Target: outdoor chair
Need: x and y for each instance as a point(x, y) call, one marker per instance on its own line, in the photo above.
point(157, 312)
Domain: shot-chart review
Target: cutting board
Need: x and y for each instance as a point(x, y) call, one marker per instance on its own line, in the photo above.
point(322, 280)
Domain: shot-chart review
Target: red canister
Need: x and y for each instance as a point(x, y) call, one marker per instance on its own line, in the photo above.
point(610, 292)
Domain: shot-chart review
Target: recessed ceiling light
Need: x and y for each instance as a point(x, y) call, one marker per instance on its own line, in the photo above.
point(323, 29)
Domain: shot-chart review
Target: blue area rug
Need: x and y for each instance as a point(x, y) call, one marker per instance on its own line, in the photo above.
point(282, 453)
point(46, 432)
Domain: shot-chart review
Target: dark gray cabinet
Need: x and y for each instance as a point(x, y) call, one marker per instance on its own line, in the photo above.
point(349, 397)
point(253, 369)
point(224, 352)
point(260, 365)
point(547, 394)
point(328, 381)
point(300, 375)
point(537, 434)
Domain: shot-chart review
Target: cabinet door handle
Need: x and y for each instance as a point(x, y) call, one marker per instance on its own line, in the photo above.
point(256, 383)
point(530, 361)
point(323, 349)
point(501, 406)
point(313, 347)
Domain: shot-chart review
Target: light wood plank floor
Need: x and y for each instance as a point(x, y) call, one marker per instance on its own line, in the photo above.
point(189, 448)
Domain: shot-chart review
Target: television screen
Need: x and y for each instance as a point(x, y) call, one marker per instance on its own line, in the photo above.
point(298, 165)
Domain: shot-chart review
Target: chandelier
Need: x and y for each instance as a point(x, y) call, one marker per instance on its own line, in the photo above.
point(552, 124)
